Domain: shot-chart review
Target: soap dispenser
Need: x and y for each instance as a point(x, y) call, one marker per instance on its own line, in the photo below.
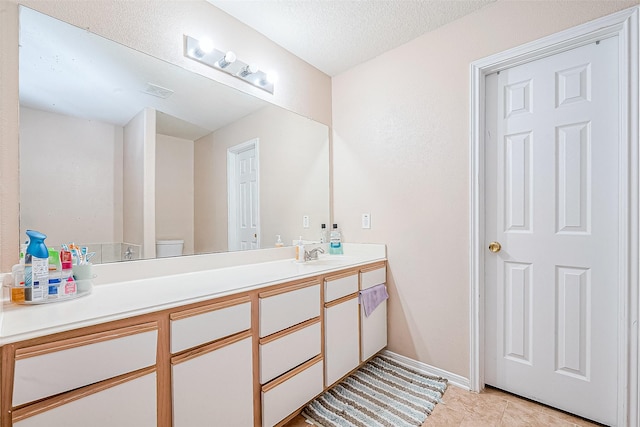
point(299, 250)
point(279, 242)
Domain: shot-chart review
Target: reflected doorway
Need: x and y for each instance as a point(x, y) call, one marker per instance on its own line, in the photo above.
point(243, 180)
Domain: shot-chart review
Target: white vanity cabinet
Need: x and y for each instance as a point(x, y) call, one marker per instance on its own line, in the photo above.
point(290, 349)
point(373, 329)
point(341, 326)
point(212, 374)
point(249, 358)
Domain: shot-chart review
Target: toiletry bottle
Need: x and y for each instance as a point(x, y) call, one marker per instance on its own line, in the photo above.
point(68, 284)
point(300, 250)
point(335, 245)
point(323, 233)
point(36, 267)
point(55, 271)
point(17, 290)
point(279, 243)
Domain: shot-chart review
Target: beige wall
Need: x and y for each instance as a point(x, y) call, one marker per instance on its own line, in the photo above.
point(294, 178)
point(174, 190)
point(400, 133)
point(155, 27)
point(139, 181)
point(70, 167)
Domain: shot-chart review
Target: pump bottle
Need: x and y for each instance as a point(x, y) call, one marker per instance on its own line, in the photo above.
point(335, 244)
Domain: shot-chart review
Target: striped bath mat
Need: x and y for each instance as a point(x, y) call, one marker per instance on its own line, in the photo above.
point(383, 392)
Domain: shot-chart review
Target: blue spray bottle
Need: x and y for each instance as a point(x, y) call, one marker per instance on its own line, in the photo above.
point(36, 267)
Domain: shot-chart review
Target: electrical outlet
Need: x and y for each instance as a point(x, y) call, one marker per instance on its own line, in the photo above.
point(366, 220)
point(305, 221)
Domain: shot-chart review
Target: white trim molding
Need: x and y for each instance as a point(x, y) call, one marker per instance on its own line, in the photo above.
point(623, 24)
point(453, 379)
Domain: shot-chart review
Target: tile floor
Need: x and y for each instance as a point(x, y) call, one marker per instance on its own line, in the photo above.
point(492, 407)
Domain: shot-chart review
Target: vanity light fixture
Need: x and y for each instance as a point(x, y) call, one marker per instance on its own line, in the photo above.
point(204, 52)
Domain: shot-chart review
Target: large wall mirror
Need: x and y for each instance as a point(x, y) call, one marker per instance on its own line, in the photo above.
point(120, 151)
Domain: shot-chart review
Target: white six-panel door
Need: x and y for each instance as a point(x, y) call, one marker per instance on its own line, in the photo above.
point(243, 196)
point(248, 202)
point(551, 201)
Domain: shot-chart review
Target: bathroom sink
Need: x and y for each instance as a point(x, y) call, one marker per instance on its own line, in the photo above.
point(329, 260)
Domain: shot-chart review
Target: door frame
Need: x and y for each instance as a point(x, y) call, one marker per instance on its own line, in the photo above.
point(624, 24)
point(232, 186)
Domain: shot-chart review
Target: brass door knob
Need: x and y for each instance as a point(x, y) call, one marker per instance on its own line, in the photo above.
point(495, 247)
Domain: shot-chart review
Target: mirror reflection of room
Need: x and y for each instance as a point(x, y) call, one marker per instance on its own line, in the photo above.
point(133, 157)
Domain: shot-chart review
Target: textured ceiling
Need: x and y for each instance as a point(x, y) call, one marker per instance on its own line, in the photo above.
point(335, 35)
point(68, 70)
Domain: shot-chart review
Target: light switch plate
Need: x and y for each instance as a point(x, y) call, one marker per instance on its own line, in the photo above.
point(305, 221)
point(366, 220)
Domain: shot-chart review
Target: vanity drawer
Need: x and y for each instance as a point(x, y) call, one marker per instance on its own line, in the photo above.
point(191, 328)
point(284, 352)
point(282, 398)
point(51, 368)
point(129, 402)
point(336, 287)
point(373, 276)
point(288, 306)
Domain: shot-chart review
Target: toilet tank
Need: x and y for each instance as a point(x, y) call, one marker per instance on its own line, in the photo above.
point(168, 248)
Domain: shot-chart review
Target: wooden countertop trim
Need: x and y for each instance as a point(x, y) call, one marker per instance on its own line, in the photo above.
point(288, 331)
point(199, 351)
point(285, 289)
point(41, 349)
point(372, 267)
point(208, 308)
point(341, 300)
point(292, 373)
point(342, 275)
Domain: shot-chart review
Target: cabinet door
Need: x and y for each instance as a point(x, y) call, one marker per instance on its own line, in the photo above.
point(128, 404)
point(342, 352)
point(373, 331)
point(215, 386)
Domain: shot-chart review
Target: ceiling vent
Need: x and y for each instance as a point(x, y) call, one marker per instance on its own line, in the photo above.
point(159, 91)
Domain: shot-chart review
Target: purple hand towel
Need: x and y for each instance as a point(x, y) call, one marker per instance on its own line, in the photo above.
point(372, 297)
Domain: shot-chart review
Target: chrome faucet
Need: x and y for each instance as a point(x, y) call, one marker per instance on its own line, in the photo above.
point(128, 254)
point(313, 254)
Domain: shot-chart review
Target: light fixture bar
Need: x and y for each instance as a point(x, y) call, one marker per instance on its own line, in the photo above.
point(221, 61)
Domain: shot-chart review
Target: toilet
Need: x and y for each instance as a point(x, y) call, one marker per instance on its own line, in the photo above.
point(167, 248)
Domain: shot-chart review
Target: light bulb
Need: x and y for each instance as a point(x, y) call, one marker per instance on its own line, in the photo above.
point(249, 69)
point(204, 47)
point(228, 59)
point(272, 77)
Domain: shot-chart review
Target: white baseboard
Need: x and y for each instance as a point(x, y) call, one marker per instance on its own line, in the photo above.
point(453, 379)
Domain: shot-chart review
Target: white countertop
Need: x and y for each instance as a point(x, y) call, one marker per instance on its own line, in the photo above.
point(124, 299)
